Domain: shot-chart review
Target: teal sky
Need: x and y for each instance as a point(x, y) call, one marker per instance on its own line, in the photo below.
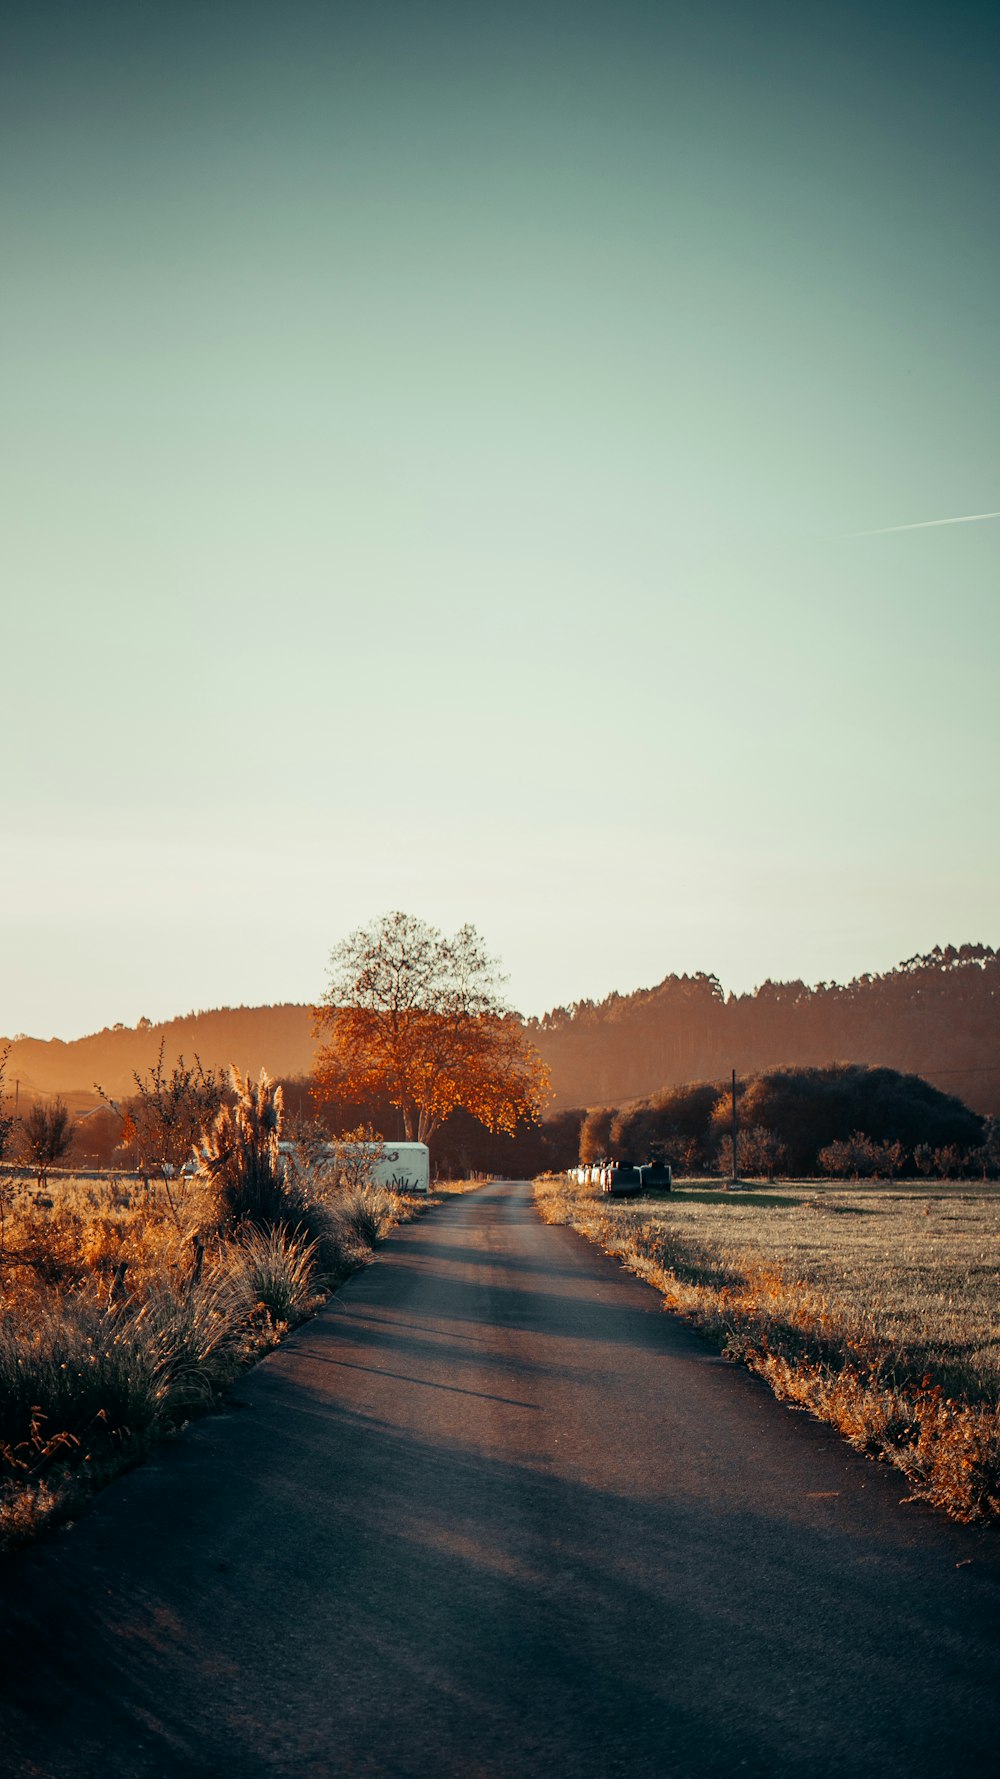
point(433, 447)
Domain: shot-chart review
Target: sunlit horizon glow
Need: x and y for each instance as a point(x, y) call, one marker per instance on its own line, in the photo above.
point(427, 439)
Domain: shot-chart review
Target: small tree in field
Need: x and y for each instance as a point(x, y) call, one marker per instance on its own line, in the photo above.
point(849, 1157)
point(47, 1132)
point(7, 1186)
point(418, 1017)
point(987, 1156)
point(165, 1117)
point(7, 1119)
point(760, 1150)
point(888, 1159)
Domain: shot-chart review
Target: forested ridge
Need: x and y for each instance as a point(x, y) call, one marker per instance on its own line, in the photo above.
point(936, 1015)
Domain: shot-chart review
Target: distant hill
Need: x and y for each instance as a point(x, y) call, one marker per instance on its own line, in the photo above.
point(937, 1016)
point(276, 1038)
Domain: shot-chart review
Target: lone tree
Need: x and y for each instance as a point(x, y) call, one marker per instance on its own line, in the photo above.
point(417, 1017)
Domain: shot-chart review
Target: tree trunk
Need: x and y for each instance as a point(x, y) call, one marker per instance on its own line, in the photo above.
point(426, 1127)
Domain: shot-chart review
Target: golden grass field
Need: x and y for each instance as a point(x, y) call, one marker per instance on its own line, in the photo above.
point(872, 1306)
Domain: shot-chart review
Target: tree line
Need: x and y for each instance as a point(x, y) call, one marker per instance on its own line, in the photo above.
point(845, 1120)
point(935, 1015)
point(416, 1040)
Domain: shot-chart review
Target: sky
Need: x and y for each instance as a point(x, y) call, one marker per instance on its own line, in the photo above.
point(447, 456)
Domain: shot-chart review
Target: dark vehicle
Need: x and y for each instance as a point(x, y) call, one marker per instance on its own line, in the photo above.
point(658, 1175)
point(621, 1179)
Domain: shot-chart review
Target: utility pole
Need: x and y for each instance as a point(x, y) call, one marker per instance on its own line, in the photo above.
point(735, 1132)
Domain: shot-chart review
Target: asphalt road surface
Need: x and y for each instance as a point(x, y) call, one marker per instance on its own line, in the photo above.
point(494, 1513)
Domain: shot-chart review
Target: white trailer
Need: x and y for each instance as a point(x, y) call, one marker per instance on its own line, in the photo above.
point(402, 1167)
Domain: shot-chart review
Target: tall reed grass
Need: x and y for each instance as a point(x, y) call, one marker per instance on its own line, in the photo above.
point(119, 1320)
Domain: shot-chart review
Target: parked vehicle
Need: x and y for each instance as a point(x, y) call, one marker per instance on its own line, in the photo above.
point(403, 1167)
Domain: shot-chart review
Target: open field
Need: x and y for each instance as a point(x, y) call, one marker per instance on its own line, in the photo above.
point(124, 1309)
point(874, 1307)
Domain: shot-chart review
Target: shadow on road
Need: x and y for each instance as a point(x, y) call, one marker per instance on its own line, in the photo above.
point(396, 1570)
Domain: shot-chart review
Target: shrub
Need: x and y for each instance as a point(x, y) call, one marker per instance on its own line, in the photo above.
point(365, 1214)
point(595, 1133)
point(673, 1122)
point(858, 1156)
point(271, 1270)
point(758, 1151)
point(112, 1329)
point(356, 1156)
point(48, 1238)
point(80, 1372)
point(165, 1117)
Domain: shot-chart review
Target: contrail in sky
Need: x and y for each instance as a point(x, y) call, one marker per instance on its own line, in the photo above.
point(924, 524)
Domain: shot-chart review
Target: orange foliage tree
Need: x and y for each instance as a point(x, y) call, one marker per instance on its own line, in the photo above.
point(417, 1017)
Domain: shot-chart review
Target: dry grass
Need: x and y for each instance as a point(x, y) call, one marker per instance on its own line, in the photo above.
point(123, 1311)
point(872, 1307)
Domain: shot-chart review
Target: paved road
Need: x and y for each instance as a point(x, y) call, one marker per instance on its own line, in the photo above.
point(492, 1514)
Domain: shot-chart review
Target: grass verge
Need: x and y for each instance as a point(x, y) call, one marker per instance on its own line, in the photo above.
point(117, 1324)
point(872, 1308)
